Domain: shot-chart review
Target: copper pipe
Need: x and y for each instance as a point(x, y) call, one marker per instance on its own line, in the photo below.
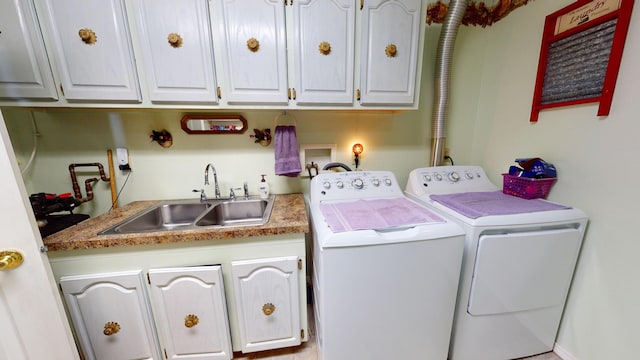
point(112, 181)
point(74, 181)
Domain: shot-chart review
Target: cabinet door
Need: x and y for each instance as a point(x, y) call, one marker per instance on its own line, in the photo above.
point(191, 312)
point(92, 49)
point(389, 51)
point(24, 67)
point(111, 315)
point(175, 36)
point(324, 51)
point(253, 44)
point(267, 302)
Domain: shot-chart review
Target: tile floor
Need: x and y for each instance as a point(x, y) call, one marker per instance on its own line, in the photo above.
point(307, 351)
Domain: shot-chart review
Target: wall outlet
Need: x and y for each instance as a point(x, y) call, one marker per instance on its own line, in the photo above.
point(123, 158)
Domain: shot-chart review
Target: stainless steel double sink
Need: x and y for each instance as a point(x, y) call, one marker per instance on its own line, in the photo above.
point(193, 214)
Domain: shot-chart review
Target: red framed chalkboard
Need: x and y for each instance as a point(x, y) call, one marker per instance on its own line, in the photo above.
point(580, 55)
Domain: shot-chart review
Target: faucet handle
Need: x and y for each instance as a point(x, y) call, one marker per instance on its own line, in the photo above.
point(245, 186)
point(203, 196)
point(232, 194)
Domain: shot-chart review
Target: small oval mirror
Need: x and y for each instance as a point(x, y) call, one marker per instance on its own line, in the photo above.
point(213, 124)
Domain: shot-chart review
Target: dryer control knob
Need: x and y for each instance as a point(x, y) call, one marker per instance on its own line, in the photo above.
point(340, 184)
point(326, 185)
point(453, 176)
point(358, 183)
point(469, 175)
point(438, 177)
point(376, 182)
point(387, 182)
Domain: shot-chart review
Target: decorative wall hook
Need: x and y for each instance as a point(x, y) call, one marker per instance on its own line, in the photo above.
point(263, 137)
point(163, 138)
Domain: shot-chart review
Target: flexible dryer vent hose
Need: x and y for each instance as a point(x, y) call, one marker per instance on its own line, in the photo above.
point(444, 58)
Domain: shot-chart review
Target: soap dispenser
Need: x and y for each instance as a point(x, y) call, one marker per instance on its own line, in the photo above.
point(263, 187)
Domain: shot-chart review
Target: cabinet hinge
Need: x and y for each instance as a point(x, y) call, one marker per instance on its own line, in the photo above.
point(300, 264)
point(219, 92)
point(358, 94)
point(302, 334)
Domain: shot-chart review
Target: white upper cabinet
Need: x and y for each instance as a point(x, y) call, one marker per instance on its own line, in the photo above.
point(324, 46)
point(92, 49)
point(254, 51)
point(191, 312)
point(389, 51)
point(177, 51)
point(24, 68)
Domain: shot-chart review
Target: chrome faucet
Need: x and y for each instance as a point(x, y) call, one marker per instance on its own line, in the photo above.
point(246, 190)
point(232, 194)
point(215, 178)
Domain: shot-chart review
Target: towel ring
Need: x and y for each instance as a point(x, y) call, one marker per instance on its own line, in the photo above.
point(284, 119)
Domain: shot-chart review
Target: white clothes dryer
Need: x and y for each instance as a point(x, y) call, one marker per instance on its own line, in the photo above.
point(518, 262)
point(386, 270)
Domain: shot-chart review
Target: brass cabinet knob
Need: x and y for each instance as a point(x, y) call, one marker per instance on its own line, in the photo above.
point(10, 259)
point(175, 40)
point(325, 48)
point(268, 308)
point(111, 328)
point(391, 50)
point(191, 320)
point(87, 36)
point(253, 44)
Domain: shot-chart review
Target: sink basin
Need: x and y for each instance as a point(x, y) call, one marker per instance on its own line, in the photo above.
point(245, 212)
point(192, 214)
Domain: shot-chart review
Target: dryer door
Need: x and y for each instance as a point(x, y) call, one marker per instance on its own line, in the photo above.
point(523, 271)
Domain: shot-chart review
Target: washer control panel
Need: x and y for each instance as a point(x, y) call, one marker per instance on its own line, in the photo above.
point(352, 185)
point(448, 180)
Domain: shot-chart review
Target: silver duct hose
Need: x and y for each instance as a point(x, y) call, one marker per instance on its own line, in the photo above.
point(444, 58)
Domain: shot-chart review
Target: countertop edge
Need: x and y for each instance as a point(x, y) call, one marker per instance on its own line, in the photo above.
point(289, 216)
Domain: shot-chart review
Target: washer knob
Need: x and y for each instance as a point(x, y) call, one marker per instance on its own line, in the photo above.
point(427, 178)
point(453, 176)
point(387, 182)
point(340, 184)
point(326, 185)
point(358, 183)
point(438, 177)
point(469, 175)
point(376, 182)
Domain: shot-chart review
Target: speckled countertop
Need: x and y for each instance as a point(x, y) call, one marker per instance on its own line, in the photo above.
point(289, 215)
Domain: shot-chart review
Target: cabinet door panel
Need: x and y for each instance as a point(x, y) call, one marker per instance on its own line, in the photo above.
point(388, 76)
point(254, 50)
point(324, 51)
point(100, 66)
point(267, 302)
point(191, 311)
point(24, 67)
point(95, 301)
point(181, 70)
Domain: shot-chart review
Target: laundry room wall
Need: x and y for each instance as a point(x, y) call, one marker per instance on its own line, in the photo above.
point(596, 157)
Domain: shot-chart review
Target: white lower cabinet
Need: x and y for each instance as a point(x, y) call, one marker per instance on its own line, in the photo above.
point(111, 315)
point(266, 296)
point(191, 312)
point(188, 301)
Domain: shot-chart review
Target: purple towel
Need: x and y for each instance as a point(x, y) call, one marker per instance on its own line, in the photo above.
point(476, 204)
point(286, 151)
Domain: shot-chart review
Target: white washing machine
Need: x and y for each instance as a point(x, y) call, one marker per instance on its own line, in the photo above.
point(517, 267)
point(386, 270)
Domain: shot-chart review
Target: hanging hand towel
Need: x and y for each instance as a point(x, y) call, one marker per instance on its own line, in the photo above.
point(286, 151)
